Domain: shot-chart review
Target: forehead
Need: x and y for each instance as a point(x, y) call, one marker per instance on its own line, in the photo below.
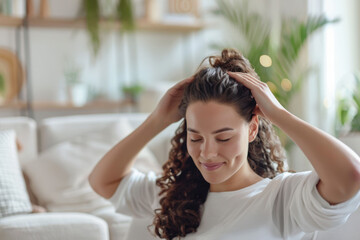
point(212, 115)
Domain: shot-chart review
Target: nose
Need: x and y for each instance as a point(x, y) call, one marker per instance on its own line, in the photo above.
point(208, 150)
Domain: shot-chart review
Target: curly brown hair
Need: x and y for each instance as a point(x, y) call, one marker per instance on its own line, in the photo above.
point(183, 188)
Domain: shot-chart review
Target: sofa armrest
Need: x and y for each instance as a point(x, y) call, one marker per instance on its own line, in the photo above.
point(54, 226)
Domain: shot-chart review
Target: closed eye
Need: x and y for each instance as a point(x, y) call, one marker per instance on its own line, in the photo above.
point(220, 140)
point(223, 140)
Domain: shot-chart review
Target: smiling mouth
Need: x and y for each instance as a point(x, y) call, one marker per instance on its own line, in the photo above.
point(211, 166)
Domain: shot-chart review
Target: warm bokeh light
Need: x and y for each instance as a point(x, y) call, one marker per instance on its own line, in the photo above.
point(265, 60)
point(286, 84)
point(272, 86)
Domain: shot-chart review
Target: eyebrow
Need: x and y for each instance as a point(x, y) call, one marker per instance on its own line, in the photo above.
point(217, 131)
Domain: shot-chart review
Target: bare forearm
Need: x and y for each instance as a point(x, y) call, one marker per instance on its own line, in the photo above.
point(117, 163)
point(336, 164)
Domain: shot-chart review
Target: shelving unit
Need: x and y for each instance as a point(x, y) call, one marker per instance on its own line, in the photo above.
point(29, 105)
point(90, 105)
point(7, 21)
point(140, 24)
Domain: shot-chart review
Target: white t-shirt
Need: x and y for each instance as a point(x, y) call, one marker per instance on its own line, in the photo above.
point(286, 207)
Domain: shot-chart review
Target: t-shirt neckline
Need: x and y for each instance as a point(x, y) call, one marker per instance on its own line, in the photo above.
point(245, 190)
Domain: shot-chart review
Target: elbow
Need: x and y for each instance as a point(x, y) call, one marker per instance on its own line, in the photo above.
point(92, 183)
point(352, 184)
point(356, 177)
point(104, 190)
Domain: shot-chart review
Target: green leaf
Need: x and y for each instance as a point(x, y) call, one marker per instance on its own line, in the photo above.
point(92, 17)
point(256, 39)
point(91, 10)
point(2, 84)
point(356, 93)
point(125, 14)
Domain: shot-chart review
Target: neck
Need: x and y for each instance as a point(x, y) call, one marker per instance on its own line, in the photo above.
point(241, 179)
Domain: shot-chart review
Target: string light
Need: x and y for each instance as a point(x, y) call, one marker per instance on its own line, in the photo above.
point(286, 84)
point(265, 60)
point(272, 86)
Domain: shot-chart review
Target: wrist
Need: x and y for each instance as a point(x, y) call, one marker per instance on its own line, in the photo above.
point(156, 122)
point(281, 118)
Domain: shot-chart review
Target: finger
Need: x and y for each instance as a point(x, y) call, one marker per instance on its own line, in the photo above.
point(248, 76)
point(182, 84)
point(248, 82)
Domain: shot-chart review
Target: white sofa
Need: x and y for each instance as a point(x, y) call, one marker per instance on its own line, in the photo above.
point(103, 223)
point(35, 139)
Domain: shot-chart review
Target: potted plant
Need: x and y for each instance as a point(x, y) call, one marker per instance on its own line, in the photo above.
point(274, 56)
point(77, 90)
point(122, 12)
point(132, 92)
point(348, 117)
point(2, 88)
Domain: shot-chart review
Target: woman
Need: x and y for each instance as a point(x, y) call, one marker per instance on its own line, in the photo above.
point(225, 175)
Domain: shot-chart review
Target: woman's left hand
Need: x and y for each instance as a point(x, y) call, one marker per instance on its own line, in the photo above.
point(267, 104)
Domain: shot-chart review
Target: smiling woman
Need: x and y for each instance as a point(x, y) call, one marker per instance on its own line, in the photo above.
point(224, 150)
point(220, 146)
point(225, 176)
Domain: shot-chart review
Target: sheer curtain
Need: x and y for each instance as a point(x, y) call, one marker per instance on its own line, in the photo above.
point(336, 53)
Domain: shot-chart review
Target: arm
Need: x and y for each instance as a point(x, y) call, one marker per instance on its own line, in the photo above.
point(117, 163)
point(337, 165)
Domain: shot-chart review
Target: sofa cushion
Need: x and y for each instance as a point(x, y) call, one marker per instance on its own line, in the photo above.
point(59, 177)
point(54, 226)
point(26, 133)
point(13, 195)
point(118, 224)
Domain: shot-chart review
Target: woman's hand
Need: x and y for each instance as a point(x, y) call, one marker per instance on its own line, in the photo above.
point(167, 111)
point(267, 105)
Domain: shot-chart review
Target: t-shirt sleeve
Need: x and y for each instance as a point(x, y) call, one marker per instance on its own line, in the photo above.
point(308, 210)
point(137, 195)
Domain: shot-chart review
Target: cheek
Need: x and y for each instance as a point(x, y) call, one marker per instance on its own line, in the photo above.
point(192, 149)
point(233, 149)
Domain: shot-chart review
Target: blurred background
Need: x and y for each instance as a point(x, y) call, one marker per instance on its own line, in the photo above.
point(72, 57)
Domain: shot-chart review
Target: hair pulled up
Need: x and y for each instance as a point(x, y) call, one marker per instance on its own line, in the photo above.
point(183, 189)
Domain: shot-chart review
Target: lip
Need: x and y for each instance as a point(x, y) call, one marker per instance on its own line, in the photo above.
point(211, 166)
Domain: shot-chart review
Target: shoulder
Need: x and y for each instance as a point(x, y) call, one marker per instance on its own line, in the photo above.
point(286, 184)
point(294, 179)
point(137, 194)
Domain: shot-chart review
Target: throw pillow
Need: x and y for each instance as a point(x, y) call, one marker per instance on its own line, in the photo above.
point(13, 196)
point(59, 177)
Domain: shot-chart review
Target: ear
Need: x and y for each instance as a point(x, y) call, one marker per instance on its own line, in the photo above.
point(253, 127)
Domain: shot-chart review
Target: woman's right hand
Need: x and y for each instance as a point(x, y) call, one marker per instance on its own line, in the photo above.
point(167, 110)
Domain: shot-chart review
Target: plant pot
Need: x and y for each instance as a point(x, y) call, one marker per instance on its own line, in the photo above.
point(78, 94)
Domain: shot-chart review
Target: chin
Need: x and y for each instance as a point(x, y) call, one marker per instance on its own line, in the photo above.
point(212, 178)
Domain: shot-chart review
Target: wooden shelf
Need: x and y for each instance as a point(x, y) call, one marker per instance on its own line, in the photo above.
point(140, 24)
point(56, 23)
point(8, 21)
point(13, 105)
point(178, 27)
point(87, 106)
point(69, 106)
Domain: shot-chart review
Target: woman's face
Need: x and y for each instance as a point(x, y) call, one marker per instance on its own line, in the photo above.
point(217, 140)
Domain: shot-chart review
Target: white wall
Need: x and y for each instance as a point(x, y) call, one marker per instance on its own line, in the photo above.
point(169, 57)
point(161, 56)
